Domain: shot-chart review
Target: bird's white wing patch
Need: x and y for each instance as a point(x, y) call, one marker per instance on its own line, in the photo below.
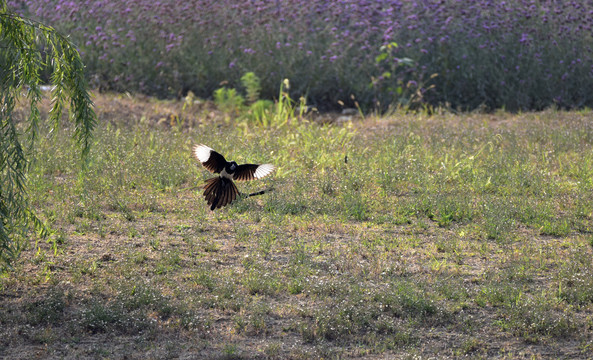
point(202, 152)
point(263, 170)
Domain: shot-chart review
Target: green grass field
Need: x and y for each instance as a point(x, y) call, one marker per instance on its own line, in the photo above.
point(403, 236)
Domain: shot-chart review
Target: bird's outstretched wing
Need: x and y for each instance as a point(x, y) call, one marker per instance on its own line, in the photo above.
point(252, 171)
point(210, 159)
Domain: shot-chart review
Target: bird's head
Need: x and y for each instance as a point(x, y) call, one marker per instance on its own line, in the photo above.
point(231, 167)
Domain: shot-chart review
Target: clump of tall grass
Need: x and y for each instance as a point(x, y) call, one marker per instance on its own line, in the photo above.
point(258, 112)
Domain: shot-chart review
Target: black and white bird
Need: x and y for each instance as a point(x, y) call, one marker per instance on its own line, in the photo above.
point(221, 191)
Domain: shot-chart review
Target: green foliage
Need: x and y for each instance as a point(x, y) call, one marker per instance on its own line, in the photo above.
point(29, 48)
point(228, 100)
point(355, 206)
point(260, 112)
point(99, 317)
point(129, 312)
point(499, 219)
point(394, 79)
point(575, 281)
point(534, 318)
point(252, 86)
point(287, 108)
point(265, 114)
point(358, 312)
point(47, 310)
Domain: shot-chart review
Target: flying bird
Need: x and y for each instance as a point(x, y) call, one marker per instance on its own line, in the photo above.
point(221, 191)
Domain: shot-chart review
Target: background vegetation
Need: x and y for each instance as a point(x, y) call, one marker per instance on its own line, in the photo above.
point(517, 54)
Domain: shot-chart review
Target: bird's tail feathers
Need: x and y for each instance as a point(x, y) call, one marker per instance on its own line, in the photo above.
point(220, 192)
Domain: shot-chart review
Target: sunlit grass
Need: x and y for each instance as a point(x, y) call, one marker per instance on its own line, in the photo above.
point(402, 235)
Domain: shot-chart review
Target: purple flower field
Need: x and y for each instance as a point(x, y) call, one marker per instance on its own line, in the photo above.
point(515, 54)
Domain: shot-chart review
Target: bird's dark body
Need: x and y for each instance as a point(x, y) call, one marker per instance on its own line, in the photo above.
point(221, 191)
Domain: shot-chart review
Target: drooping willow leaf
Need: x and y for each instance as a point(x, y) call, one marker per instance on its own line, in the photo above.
point(27, 48)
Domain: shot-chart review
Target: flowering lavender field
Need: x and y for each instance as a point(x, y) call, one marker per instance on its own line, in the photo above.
point(517, 54)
